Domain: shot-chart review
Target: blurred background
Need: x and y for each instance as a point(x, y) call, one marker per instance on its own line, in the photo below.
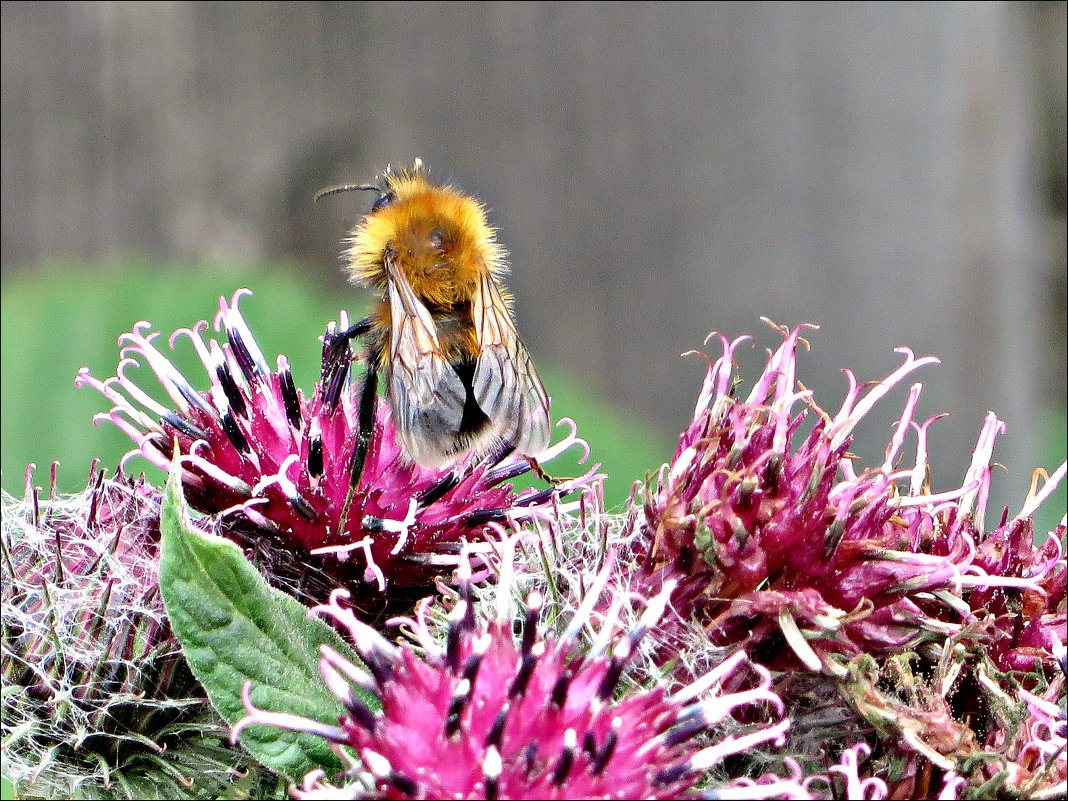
point(892, 172)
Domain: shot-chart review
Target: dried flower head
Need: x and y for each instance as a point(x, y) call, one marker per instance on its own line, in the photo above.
point(91, 671)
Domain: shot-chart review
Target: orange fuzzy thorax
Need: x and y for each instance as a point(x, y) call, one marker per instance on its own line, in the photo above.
point(439, 239)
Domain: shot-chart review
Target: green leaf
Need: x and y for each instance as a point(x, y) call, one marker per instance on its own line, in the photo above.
point(233, 628)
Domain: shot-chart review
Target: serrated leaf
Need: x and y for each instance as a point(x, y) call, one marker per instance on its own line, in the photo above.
point(234, 628)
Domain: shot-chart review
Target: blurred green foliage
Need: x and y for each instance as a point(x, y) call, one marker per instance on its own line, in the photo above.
point(1052, 450)
point(63, 317)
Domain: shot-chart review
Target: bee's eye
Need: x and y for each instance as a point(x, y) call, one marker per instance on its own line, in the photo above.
point(383, 200)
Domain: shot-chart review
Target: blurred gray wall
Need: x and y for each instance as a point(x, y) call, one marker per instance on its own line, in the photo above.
point(892, 172)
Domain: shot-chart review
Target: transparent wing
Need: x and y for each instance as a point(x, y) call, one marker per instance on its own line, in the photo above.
point(426, 393)
point(506, 384)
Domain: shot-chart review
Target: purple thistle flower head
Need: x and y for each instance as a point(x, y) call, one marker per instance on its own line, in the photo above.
point(264, 457)
point(772, 540)
point(486, 716)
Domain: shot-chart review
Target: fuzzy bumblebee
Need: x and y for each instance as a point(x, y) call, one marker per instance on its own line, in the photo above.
point(458, 377)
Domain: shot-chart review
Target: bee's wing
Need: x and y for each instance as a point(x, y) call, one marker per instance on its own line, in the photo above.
point(506, 384)
point(427, 395)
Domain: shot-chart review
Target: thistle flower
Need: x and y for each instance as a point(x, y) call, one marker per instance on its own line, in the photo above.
point(931, 625)
point(262, 456)
point(485, 716)
point(772, 541)
point(91, 671)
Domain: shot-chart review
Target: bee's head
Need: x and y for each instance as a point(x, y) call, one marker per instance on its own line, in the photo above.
point(435, 234)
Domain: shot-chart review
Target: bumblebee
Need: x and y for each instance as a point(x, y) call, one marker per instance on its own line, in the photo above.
point(442, 334)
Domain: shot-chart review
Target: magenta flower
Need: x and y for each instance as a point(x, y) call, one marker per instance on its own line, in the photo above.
point(486, 716)
point(261, 455)
point(768, 537)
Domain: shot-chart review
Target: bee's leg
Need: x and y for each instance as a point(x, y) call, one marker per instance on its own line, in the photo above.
point(539, 471)
point(363, 440)
point(337, 359)
point(358, 328)
point(336, 344)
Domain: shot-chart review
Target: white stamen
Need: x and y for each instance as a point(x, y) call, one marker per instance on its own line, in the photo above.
point(582, 614)
point(367, 640)
point(353, 673)
point(194, 337)
point(282, 720)
point(847, 420)
point(708, 757)
point(229, 317)
point(376, 763)
point(709, 679)
point(902, 427)
point(797, 642)
point(401, 527)
point(978, 475)
point(287, 487)
point(492, 765)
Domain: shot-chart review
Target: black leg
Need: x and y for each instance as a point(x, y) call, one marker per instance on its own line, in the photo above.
point(337, 343)
point(367, 425)
point(337, 358)
point(366, 417)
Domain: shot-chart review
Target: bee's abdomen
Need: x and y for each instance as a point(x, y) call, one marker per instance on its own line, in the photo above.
point(473, 420)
